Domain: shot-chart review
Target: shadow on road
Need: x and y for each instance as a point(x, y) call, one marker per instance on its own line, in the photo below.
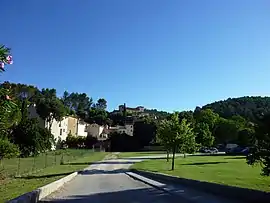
point(100, 162)
point(206, 163)
point(144, 195)
point(98, 171)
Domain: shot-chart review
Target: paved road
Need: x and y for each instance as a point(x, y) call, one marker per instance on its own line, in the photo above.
point(106, 182)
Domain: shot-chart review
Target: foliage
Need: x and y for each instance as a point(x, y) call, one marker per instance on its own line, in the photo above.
point(177, 136)
point(159, 114)
point(145, 132)
point(80, 141)
point(207, 116)
point(121, 142)
point(250, 108)
point(260, 151)
point(97, 115)
point(49, 107)
point(8, 149)
point(203, 135)
point(31, 138)
point(80, 103)
point(9, 111)
point(188, 115)
point(117, 118)
point(101, 104)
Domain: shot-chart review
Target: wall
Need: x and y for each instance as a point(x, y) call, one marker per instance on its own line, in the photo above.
point(81, 129)
point(72, 126)
point(129, 129)
point(94, 130)
point(60, 129)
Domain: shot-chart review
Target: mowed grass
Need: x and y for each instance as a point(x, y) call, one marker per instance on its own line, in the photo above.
point(16, 167)
point(227, 170)
point(14, 187)
point(136, 154)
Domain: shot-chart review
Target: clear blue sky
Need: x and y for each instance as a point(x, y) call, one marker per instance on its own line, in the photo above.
point(164, 54)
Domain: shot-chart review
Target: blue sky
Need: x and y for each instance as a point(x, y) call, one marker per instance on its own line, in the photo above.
point(169, 54)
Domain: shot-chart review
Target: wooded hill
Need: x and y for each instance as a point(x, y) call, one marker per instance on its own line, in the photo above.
point(250, 108)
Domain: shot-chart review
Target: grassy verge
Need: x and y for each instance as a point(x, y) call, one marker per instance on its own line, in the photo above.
point(227, 170)
point(22, 166)
point(14, 187)
point(135, 154)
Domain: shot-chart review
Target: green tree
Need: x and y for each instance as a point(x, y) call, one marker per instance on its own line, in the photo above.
point(8, 149)
point(188, 115)
point(203, 135)
point(260, 151)
point(226, 131)
point(145, 131)
point(49, 107)
point(178, 135)
point(101, 104)
point(79, 103)
point(31, 138)
point(207, 116)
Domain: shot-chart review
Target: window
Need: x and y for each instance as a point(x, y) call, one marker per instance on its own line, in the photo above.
point(60, 124)
point(63, 130)
point(60, 131)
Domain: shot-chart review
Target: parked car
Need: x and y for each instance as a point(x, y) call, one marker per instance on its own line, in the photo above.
point(208, 150)
point(213, 150)
point(238, 151)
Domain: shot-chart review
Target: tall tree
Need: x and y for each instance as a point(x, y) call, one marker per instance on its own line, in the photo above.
point(78, 103)
point(179, 135)
point(49, 107)
point(203, 135)
point(260, 151)
point(101, 104)
point(207, 116)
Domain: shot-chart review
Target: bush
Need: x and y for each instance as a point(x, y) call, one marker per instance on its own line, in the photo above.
point(31, 138)
point(8, 149)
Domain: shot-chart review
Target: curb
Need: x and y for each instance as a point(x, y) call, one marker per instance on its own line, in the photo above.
point(229, 192)
point(148, 181)
point(40, 193)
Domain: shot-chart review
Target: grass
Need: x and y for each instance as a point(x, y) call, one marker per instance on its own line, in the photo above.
point(227, 170)
point(135, 154)
point(14, 187)
point(16, 167)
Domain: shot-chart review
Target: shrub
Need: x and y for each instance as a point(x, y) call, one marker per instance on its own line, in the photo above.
point(8, 149)
point(31, 138)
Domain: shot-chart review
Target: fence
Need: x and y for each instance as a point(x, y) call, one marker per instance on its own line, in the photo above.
point(22, 166)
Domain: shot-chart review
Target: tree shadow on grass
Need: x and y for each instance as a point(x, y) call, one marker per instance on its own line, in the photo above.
point(205, 163)
point(45, 176)
point(243, 157)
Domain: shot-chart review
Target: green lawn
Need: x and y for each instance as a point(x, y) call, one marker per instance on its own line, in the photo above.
point(13, 187)
point(22, 166)
point(135, 154)
point(228, 170)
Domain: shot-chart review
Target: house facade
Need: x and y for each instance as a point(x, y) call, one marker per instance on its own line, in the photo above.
point(127, 129)
point(59, 129)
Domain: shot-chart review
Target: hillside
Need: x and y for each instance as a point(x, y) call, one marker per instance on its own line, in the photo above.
point(248, 107)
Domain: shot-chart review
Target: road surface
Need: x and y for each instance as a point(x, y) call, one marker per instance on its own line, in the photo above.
point(107, 182)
